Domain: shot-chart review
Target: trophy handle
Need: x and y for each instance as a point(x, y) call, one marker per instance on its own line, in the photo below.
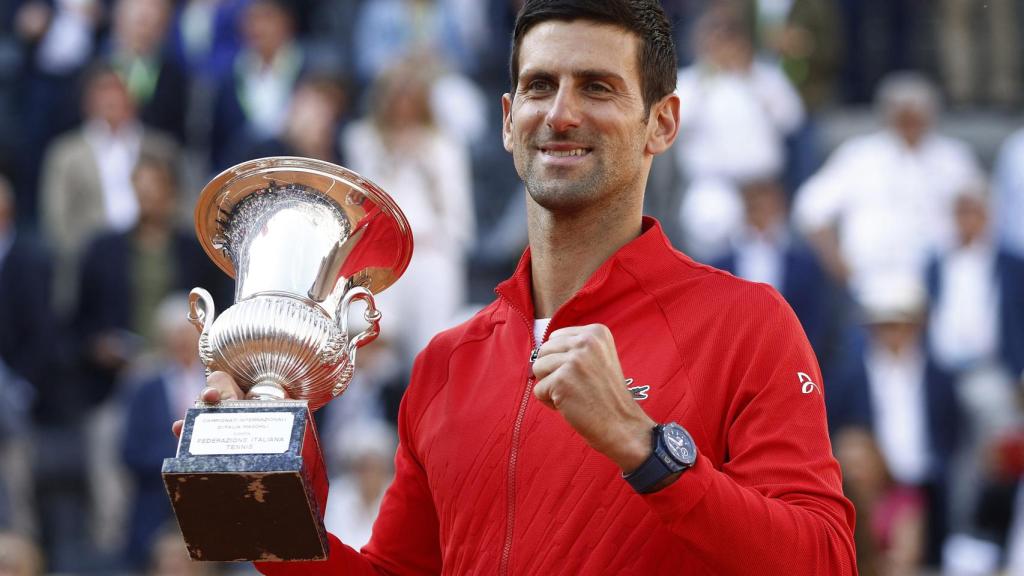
point(201, 312)
point(371, 315)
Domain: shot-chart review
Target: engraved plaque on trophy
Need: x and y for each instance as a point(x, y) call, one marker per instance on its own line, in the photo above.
point(305, 240)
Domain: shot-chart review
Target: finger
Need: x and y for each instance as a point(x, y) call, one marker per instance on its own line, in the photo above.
point(545, 365)
point(542, 392)
point(592, 336)
point(176, 428)
point(220, 387)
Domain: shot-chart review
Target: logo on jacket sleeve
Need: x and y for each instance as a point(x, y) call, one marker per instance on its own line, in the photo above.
point(639, 392)
point(806, 384)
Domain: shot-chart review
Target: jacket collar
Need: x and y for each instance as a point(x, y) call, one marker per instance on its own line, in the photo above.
point(642, 258)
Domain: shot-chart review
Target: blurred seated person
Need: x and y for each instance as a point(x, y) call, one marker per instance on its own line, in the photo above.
point(890, 386)
point(883, 202)
point(125, 275)
point(890, 516)
point(312, 129)
point(976, 332)
point(87, 174)
point(766, 250)
point(251, 104)
point(156, 83)
point(19, 556)
point(158, 398)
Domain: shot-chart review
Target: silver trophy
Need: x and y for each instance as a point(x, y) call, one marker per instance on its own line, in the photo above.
point(304, 240)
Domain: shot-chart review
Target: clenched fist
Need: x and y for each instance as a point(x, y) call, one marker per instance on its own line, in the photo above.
point(578, 375)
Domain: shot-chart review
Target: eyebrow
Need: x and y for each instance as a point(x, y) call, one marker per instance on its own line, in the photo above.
point(586, 74)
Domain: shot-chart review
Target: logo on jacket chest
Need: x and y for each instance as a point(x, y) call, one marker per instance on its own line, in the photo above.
point(639, 392)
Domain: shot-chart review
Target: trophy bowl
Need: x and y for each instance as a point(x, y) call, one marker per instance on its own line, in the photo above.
point(303, 239)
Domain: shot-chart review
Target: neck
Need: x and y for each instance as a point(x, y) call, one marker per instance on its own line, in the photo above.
point(566, 249)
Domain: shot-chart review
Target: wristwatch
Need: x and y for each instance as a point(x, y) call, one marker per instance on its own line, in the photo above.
point(672, 451)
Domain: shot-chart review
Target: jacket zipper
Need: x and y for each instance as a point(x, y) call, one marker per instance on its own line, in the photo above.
point(506, 552)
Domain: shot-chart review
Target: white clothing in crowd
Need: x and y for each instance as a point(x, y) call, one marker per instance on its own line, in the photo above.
point(892, 204)
point(965, 319)
point(116, 154)
point(430, 180)
point(733, 126)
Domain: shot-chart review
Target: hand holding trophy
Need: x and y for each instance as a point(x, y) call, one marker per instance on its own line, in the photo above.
point(304, 240)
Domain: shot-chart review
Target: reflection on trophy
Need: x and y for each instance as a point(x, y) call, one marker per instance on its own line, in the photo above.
point(304, 240)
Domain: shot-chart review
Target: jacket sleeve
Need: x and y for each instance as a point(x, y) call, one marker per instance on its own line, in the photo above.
point(775, 504)
point(405, 538)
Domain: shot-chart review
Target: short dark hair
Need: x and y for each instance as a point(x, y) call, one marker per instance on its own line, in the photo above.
point(645, 18)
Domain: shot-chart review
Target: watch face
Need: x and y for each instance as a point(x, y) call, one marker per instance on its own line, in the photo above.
point(679, 444)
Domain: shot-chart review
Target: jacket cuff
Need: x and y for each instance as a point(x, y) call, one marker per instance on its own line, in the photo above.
point(678, 498)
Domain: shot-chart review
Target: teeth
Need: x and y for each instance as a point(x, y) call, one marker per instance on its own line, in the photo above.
point(566, 153)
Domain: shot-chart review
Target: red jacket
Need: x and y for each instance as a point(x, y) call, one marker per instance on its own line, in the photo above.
point(489, 481)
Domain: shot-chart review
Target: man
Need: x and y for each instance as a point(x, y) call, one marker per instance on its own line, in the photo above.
point(882, 202)
point(518, 425)
point(86, 183)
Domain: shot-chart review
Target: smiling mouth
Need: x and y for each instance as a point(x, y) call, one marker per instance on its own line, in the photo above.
point(565, 153)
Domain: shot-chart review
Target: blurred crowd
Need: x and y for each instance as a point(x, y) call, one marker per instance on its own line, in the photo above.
point(857, 155)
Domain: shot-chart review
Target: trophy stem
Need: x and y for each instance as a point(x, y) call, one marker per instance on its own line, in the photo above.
point(267, 390)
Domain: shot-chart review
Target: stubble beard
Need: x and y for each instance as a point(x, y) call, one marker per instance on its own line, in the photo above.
point(569, 190)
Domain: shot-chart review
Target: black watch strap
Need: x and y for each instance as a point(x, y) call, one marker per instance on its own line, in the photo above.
point(672, 451)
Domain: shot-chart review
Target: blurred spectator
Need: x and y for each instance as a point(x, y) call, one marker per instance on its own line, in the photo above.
point(86, 184)
point(961, 60)
point(252, 103)
point(19, 556)
point(400, 148)
point(156, 83)
point(204, 37)
point(765, 250)
point(890, 517)
point(26, 322)
point(805, 37)
point(124, 277)
point(312, 127)
point(735, 116)
point(26, 333)
point(1008, 201)
point(126, 274)
point(890, 385)
point(390, 31)
point(976, 332)
point(158, 399)
point(736, 109)
point(374, 392)
point(367, 450)
point(883, 202)
point(58, 40)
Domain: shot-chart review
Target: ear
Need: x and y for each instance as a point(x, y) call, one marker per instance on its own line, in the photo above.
point(506, 121)
point(663, 125)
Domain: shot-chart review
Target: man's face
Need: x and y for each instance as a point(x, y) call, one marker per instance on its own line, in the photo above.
point(576, 125)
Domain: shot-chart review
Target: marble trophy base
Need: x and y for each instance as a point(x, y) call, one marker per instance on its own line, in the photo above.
point(249, 483)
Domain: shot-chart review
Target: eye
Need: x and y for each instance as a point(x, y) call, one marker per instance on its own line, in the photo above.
point(539, 85)
point(597, 87)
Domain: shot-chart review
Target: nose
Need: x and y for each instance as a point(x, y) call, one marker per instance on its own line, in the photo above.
point(565, 110)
